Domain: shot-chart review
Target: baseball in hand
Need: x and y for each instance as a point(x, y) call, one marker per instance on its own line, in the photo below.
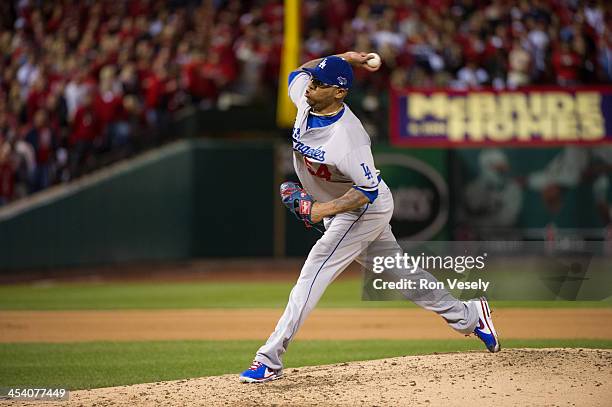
point(375, 61)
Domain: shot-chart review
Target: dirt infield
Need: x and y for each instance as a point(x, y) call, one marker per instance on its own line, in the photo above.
point(223, 324)
point(514, 377)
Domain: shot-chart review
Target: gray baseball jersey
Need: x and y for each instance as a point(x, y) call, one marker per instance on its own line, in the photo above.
point(332, 155)
point(329, 159)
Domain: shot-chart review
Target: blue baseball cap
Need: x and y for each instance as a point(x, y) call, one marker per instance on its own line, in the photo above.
point(333, 71)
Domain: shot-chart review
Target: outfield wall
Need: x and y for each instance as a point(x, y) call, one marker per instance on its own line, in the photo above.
point(181, 201)
point(205, 198)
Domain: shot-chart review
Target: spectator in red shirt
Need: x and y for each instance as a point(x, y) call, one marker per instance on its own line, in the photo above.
point(108, 104)
point(273, 12)
point(566, 65)
point(85, 135)
point(86, 125)
point(37, 96)
point(7, 172)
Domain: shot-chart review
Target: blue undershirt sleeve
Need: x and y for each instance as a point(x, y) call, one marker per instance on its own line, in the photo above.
point(371, 195)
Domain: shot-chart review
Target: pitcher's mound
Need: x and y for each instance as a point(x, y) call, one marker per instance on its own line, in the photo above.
point(513, 377)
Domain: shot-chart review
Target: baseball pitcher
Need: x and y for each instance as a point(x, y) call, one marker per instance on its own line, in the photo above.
point(341, 187)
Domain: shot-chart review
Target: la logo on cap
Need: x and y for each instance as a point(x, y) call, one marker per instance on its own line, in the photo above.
point(322, 63)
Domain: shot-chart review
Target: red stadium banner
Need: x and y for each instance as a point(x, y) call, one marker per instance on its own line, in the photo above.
point(533, 116)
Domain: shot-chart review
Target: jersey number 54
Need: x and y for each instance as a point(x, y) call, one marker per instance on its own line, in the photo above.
point(322, 171)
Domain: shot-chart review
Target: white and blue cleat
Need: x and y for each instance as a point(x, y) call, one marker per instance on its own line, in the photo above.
point(485, 330)
point(259, 373)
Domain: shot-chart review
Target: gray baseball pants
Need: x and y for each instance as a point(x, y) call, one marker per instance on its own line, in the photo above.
point(343, 242)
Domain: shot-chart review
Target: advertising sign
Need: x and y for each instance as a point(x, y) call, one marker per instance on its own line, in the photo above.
point(534, 116)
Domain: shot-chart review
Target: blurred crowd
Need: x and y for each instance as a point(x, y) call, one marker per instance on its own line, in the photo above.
point(81, 81)
point(469, 44)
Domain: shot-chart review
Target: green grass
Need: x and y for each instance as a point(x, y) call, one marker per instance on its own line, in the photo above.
point(103, 364)
point(341, 294)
